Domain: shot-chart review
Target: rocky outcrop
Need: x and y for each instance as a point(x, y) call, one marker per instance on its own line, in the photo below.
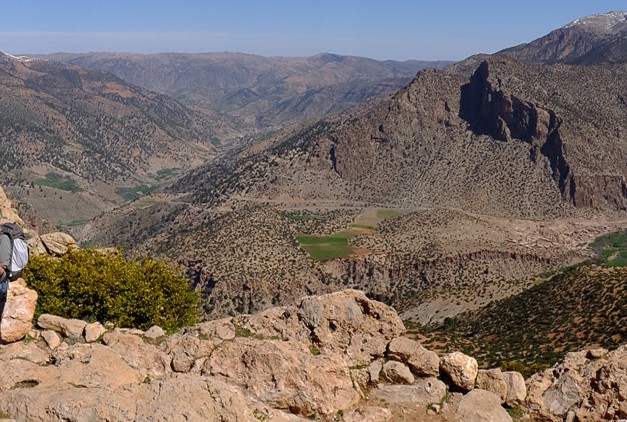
point(18, 311)
point(285, 364)
point(58, 243)
point(587, 385)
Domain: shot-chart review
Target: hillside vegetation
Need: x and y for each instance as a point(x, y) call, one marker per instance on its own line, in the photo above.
point(583, 306)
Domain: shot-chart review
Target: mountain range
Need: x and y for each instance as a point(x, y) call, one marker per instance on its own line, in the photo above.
point(261, 92)
point(453, 190)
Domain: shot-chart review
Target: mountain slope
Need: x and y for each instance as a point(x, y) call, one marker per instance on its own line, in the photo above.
point(581, 308)
point(91, 122)
point(594, 39)
point(515, 140)
point(263, 91)
point(84, 132)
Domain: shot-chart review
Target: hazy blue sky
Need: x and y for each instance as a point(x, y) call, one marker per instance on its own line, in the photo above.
point(384, 29)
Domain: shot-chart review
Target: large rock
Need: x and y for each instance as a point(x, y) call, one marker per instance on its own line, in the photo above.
point(185, 350)
point(94, 331)
point(67, 327)
point(461, 369)
point(349, 323)
point(18, 312)
point(585, 386)
point(481, 406)
point(397, 373)
point(286, 375)
point(492, 380)
point(146, 358)
point(58, 243)
point(420, 360)
point(516, 388)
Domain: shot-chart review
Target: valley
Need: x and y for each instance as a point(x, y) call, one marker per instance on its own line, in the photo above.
point(461, 196)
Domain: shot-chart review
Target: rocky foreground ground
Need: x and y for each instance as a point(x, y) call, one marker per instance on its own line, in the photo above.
point(338, 357)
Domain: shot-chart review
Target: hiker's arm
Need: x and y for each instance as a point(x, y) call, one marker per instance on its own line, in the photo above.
point(5, 254)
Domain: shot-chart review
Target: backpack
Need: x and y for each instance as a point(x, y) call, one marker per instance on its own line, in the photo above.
point(19, 249)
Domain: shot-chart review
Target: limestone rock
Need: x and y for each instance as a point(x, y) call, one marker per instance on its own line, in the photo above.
point(36, 246)
point(397, 373)
point(516, 388)
point(582, 386)
point(52, 339)
point(185, 350)
point(30, 352)
point(93, 331)
point(349, 323)
point(420, 360)
point(146, 358)
point(492, 380)
point(422, 393)
point(7, 212)
point(374, 371)
point(154, 332)
point(481, 406)
point(461, 369)
point(58, 243)
point(18, 313)
point(66, 327)
point(285, 375)
point(218, 330)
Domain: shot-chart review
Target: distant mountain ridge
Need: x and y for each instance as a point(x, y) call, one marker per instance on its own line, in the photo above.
point(595, 39)
point(266, 92)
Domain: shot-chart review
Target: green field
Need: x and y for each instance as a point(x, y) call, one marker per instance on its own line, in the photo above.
point(57, 181)
point(324, 248)
point(611, 249)
point(131, 194)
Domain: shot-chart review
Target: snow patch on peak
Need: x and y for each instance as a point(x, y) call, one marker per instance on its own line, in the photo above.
point(603, 22)
point(18, 58)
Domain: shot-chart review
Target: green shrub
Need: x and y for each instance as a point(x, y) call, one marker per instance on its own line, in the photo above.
point(95, 286)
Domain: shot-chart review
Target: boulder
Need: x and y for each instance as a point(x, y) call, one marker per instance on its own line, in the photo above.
point(350, 324)
point(52, 339)
point(492, 380)
point(18, 312)
point(36, 246)
point(285, 375)
point(67, 327)
point(460, 369)
point(423, 392)
point(481, 406)
point(421, 361)
point(94, 331)
point(397, 373)
point(58, 243)
point(516, 388)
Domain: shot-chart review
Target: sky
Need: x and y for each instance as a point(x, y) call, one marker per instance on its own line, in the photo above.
point(383, 29)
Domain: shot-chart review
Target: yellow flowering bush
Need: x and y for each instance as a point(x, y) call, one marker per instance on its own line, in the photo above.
point(96, 286)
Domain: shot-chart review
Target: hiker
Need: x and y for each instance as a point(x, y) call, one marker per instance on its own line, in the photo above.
point(13, 254)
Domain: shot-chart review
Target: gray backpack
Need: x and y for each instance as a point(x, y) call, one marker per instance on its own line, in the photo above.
point(19, 249)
